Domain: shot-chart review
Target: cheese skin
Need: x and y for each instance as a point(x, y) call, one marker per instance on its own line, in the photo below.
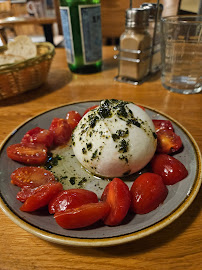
point(115, 139)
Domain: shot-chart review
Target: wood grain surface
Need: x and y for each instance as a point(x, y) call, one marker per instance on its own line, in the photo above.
point(178, 246)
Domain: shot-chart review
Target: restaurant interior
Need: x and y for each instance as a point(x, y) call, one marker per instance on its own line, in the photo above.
point(67, 106)
point(112, 26)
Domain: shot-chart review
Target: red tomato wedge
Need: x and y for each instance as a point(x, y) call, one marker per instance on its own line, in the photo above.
point(39, 136)
point(83, 216)
point(28, 153)
point(162, 124)
point(61, 131)
point(143, 108)
point(25, 193)
point(31, 176)
point(118, 196)
point(169, 168)
point(168, 142)
point(148, 192)
point(71, 198)
point(73, 118)
point(90, 109)
point(41, 197)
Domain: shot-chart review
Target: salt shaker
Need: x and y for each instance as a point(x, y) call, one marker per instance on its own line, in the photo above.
point(135, 46)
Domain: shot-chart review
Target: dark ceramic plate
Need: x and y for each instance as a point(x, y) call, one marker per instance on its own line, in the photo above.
point(43, 225)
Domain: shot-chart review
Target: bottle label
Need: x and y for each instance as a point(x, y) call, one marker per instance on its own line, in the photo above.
point(91, 36)
point(68, 37)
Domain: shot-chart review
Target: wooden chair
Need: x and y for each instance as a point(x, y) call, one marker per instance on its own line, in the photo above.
point(5, 11)
point(25, 24)
point(113, 16)
point(57, 14)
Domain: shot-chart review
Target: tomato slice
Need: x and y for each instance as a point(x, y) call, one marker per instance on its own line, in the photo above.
point(61, 131)
point(26, 192)
point(41, 197)
point(31, 176)
point(148, 192)
point(169, 168)
point(71, 198)
point(73, 118)
point(168, 142)
point(143, 108)
point(162, 124)
point(90, 109)
point(118, 196)
point(28, 153)
point(39, 136)
point(83, 216)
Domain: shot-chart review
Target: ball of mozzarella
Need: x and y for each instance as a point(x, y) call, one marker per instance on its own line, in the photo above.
point(115, 139)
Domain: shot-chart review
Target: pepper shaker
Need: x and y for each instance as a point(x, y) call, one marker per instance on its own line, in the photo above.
point(135, 46)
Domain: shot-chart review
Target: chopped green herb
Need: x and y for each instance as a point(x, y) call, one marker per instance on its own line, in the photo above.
point(89, 146)
point(52, 161)
point(94, 154)
point(115, 137)
point(124, 158)
point(83, 180)
point(63, 177)
point(104, 112)
point(133, 122)
point(84, 150)
point(123, 146)
point(72, 180)
point(92, 120)
point(122, 112)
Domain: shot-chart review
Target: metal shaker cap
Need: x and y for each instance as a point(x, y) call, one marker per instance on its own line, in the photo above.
point(153, 9)
point(137, 17)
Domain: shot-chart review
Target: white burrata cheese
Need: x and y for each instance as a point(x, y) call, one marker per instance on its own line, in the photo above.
point(115, 139)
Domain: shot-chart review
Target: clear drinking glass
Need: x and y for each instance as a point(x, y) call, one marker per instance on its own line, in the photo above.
point(182, 54)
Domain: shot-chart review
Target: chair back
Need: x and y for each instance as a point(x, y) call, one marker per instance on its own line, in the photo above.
point(113, 14)
point(5, 9)
point(113, 17)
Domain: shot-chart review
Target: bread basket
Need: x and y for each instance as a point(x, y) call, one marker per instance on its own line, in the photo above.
point(26, 75)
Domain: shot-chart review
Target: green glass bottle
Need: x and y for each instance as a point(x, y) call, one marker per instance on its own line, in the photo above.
point(81, 22)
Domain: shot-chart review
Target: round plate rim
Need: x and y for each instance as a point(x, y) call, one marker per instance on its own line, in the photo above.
point(109, 241)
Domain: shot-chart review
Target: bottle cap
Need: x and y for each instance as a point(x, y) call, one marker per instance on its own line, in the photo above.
point(137, 17)
point(153, 9)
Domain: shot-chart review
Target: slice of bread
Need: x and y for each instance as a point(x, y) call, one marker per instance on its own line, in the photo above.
point(22, 46)
point(10, 59)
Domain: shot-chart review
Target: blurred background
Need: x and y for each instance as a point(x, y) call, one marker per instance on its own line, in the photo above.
point(45, 24)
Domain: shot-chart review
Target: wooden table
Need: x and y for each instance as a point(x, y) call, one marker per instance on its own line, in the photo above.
point(178, 246)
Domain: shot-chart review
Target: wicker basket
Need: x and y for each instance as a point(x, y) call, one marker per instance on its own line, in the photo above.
point(26, 75)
